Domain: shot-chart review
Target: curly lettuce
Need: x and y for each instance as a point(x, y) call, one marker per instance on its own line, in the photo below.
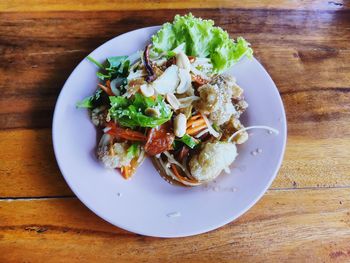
point(202, 39)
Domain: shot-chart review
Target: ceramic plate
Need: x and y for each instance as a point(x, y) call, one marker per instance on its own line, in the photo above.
point(146, 204)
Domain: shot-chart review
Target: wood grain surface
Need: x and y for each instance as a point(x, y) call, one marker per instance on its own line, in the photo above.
point(304, 217)
point(278, 229)
point(117, 5)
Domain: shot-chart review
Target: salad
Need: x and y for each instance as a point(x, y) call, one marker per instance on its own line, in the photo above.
point(172, 102)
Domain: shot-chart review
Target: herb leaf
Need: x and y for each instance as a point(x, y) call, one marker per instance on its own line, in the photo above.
point(90, 102)
point(114, 67)
point(98, 64)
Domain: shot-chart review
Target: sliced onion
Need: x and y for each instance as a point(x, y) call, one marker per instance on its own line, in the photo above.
point(172, 175)
point(210, 129)
point(115, 84)
point(202, 133)
point(185, 81)
point(133, 58)
point(105, 130)
point(141, 157)
point(253, 127)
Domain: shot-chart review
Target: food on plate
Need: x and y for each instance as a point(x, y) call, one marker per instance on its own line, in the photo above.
point(172, 102)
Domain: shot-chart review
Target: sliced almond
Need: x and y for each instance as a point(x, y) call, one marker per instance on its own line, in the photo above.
point(147, 90)
point(180, 123)
point(173, 101)
point(182, 61)
point(185, 81)
point(168, 81)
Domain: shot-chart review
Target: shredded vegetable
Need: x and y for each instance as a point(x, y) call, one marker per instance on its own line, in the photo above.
point(172, 102)
point(253, 127)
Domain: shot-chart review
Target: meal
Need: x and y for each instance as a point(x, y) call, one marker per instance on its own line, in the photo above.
point(172, 102)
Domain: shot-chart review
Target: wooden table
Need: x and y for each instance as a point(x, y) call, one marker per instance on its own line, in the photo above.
point(305, 215)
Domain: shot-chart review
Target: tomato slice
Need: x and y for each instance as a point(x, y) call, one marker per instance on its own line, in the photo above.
point(159, 140)
point(126, 134)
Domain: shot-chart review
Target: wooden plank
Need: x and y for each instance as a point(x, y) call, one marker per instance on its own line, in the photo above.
point(315, 49)
point(284, 226)
point(314, 163)
point(28, 165)
point(29, 169)
point(100, 5)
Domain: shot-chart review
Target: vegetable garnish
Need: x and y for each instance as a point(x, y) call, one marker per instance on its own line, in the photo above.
point(159, 140)
point(202, 39)
point(132, 112)
point(133, 150)
point(126, 134)
point(189, 141)
point(90, 101)
point(171, 102)
point(112, 68)
point(151, 76)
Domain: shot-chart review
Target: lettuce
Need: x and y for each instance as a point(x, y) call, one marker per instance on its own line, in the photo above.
point(202, 39)
point(131, 112)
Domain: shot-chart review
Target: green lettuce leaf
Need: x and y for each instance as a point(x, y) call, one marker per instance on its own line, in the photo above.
point(202, 39)
point(131, 112)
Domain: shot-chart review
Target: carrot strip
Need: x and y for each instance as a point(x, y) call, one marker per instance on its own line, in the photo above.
point(195, 123)
point(106, 89)
point(180, 177)
point(195, 130)
point(126, 171)
point(195, 117)
point(127, 134)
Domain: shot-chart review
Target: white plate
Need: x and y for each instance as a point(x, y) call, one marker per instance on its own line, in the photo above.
point(147, 204)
